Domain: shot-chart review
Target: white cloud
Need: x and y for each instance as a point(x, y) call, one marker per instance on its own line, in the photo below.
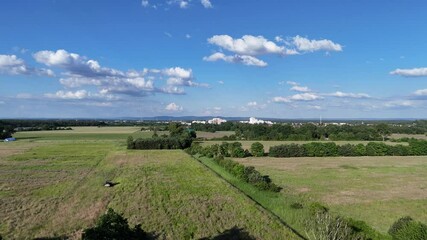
point(145, 3)
point(206, 3)
point(75, 64)
point(167, 34)
point(80, 94)
point(296, 87)
point(11, 64)
point(247, 45)
point(243, 59)
point(281, 100)
point(178, 72)
point(421, 92)
point(252, 104)
point(81, 71)
point(349, 95)
point(221, 82)
point(305, 97)
point(307, 45)
point(188, 36)
point(279, 39)
point(399, 104)
point(183, 4)
point(414, 72)
point(298, 97)
point(300, 89)
point(173, 107)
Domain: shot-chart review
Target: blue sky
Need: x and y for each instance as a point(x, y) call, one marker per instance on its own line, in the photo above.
point(282, 59)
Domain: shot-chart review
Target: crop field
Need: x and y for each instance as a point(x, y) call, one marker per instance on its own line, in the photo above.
point(86, 133)
point(51, 187)
point(377, 190)
point(217, 134)
point(268, 144)
point(416, 136)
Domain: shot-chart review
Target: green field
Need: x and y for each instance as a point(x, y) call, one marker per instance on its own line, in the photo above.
point(217, 134)
point(54, 187)
point(416, 136)
point(377, 190)
point(268, 144)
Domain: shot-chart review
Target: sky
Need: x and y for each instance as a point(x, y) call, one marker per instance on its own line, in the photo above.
point(233, 58)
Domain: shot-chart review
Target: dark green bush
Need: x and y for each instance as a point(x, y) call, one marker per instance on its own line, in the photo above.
point(296, 205)
point(407, 229)
point(257, 149)
point(112, 225)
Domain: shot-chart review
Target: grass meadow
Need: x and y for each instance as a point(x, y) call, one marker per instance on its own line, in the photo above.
point(52, 185)
point(377, 190)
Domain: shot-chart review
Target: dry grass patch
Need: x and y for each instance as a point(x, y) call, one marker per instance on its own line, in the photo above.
point(345, 182)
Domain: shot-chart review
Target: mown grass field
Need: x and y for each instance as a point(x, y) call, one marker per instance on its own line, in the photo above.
point(268, 144)
point(217, 134)
point(416, 136)
point(377, 190)
point(53, 187)
point(86, 133)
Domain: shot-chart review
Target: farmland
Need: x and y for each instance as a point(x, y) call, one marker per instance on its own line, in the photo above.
point(52, 185)
point(377, 190)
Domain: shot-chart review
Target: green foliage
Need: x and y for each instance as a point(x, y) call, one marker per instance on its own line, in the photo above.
point(257, 149)
point(160, 143)
point(407, 229)
point(247, 174)
point(318, 149)
point(176, 129)
point(130, 143)
point(297, 205)
point(111, 226)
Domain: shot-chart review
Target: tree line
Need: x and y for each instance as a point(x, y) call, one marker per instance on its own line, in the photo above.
point(248, 174)
point(311, 132)
point(179, 137)
point(330, 149)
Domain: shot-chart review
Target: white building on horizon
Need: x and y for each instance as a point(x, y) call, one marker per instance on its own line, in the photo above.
point(217, 121)
point(253, 120)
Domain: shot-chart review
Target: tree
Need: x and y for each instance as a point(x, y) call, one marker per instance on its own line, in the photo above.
point(257, 149)
point(175, 129)
point(383, 129)
point(112, 225)
point(130, 143)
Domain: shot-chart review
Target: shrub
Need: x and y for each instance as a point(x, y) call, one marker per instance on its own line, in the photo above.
point(316, 208)
point(257, 149)
point(296, 205)
point(160, 143)
point(406, 228)
point(112, 225)
point(130, 143)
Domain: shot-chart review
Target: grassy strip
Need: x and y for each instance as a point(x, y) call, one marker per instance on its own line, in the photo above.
point(276, 203)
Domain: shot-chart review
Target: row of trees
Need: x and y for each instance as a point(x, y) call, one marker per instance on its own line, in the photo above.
point(248, 174)
point(179, 137)
point(317, 149)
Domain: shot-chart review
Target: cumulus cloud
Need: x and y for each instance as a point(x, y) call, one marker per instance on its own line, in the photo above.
point(173, 107)
point(181, 77)
point(300, 89)
point(11, 64)
point(145, 3)
point(421, 92)
point(80, 71)
point(244, 59)
point(307, 45)
point(247, 45)
point(296, 87)
point(349, 95)
point(298, 97)
point(206, 3)
point(413, 72)
point(80, 94)
point(75, 64)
